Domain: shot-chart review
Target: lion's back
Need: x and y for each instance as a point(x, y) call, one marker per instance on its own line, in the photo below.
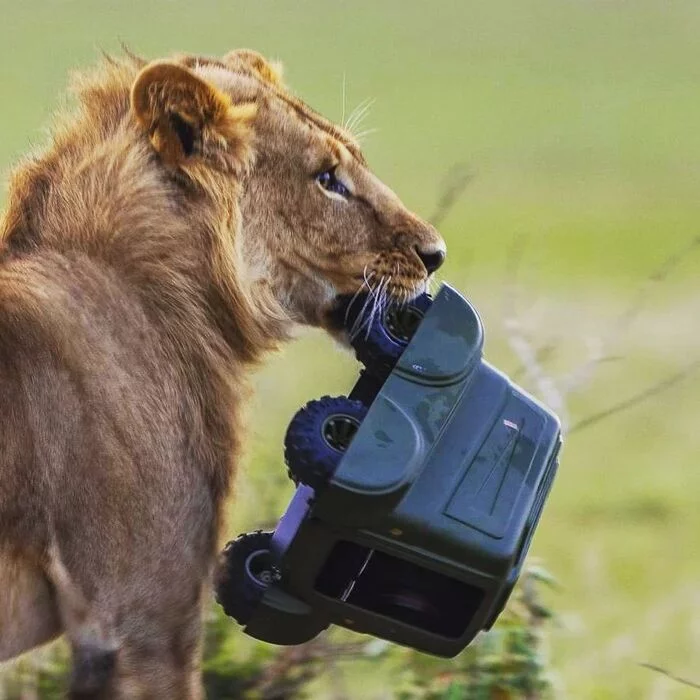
point(89, 405)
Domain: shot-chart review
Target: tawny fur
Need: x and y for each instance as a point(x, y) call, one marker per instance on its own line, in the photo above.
point(172, 233)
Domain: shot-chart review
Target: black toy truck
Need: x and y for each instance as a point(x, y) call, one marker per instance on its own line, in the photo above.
point(417, 495)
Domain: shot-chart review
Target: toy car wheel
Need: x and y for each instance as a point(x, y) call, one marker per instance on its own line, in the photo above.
point(318, 436)
point(380, 346)
point(244, 573)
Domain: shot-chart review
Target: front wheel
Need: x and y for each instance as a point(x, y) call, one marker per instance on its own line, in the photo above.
point(318, 436)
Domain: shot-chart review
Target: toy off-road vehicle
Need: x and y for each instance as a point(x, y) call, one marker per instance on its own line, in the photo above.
point(416, 496)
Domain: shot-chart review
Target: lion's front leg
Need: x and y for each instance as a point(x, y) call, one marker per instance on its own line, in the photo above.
point(171, 669)
point(28, 613)
point(156, 660)
point(137, 636)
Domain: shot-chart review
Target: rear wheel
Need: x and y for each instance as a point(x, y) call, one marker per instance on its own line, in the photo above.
point(380, 346)
point(245, 572)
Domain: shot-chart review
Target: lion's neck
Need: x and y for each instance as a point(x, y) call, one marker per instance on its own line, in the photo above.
point(108, 201)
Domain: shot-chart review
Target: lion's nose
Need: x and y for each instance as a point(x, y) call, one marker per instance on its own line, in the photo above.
point(432, 260)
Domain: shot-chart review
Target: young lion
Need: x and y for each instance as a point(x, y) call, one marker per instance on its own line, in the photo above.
point(180, 225)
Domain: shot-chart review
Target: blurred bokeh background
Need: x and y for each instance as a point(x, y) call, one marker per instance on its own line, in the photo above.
point(578, 125)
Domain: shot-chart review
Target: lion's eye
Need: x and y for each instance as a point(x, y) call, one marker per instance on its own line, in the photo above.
point(329, 182)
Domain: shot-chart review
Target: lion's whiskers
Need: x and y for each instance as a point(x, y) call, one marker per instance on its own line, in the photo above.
point(360, 135)
point(379, 304)
point(360, 319)
point(364, 318)
point(357, 324)
point(358, 115)
point(365, 283)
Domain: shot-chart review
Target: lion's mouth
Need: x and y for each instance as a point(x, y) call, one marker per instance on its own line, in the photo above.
point(352, 314)
point(364, 299)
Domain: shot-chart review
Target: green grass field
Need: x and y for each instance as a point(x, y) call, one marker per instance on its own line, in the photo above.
point(579, 121)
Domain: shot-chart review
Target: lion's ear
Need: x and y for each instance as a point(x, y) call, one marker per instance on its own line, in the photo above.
point(189, 121)
point(248, 61)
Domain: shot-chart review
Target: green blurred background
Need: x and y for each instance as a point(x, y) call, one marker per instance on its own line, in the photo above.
point(579, 121)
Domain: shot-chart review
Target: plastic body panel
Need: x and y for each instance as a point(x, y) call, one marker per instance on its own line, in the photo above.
point(446, 475)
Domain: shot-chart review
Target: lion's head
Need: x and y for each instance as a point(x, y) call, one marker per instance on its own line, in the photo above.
point(316, 223)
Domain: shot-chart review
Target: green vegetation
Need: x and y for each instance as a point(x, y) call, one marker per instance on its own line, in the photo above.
point(507, 663)
point(579, 123)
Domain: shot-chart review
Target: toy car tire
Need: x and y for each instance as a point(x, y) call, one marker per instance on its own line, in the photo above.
point(244, 573)
point(380, 346)
point(318, 436)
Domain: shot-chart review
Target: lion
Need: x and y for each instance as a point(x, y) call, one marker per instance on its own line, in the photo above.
point(185, 219)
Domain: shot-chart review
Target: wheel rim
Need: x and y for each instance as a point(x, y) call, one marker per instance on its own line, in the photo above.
point(401, 322)
point(260, 568)
point(339, 430)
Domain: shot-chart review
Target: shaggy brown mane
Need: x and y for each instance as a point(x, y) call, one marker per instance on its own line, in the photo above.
point(96, 192)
